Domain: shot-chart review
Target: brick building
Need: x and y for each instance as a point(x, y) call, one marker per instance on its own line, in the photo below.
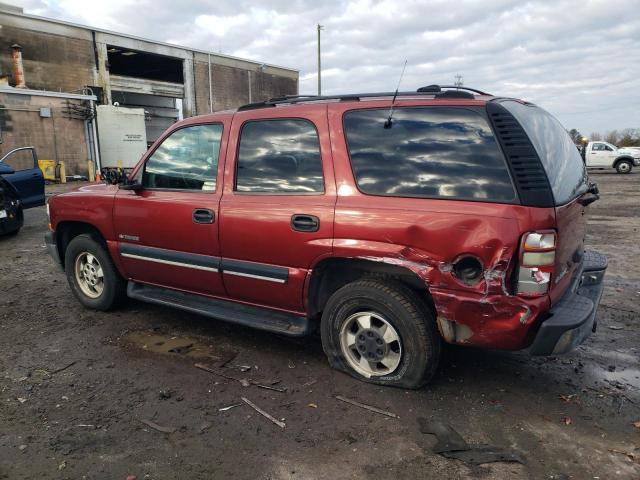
point(69, 68)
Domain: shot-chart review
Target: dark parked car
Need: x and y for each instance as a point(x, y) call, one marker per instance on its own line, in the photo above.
point(391, 223)
point(11, 217)
point(21, 186)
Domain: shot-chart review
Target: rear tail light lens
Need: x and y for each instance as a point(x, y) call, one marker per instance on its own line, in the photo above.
point(537, 258)
point(539, 241)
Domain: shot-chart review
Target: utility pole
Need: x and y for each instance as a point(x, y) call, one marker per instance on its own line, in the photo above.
point(320, 27)
point(459, 81)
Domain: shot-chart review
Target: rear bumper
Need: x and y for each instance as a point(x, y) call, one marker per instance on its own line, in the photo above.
point(52, 248)
point(573, 317)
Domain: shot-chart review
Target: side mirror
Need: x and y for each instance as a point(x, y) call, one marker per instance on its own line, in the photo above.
point(134, 186)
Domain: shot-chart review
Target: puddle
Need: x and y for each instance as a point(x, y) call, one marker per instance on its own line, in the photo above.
point(625, 376)
point(177, 346)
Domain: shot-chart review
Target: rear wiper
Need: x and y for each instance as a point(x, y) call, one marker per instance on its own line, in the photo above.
point(591, 195)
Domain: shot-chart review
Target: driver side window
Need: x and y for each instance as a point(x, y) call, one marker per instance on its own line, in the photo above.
point(186, 160)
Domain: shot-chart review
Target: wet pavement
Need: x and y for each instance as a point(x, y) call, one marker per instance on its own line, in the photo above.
point(107, 395)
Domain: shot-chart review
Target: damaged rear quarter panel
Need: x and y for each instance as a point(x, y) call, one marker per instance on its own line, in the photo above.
point(428, 236)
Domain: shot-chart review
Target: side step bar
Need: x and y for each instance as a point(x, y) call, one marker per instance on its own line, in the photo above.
point(255, 317)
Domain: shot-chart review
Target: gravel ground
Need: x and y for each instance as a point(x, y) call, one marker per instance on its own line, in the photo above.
point(87, 395)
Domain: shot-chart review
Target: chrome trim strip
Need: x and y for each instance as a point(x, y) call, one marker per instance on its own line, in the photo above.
point(169, 262)
point(257, 277)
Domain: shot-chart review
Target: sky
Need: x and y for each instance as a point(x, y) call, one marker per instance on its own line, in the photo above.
point(580, 60)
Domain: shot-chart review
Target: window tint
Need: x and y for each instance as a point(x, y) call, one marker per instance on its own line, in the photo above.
point(564, 166)
point(608, 148)
point(428, 152)
point(279, 156)
point(186, 160)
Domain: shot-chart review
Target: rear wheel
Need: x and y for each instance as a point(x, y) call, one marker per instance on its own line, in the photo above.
point(381, 332)
point(91, 274)
point(624, 166)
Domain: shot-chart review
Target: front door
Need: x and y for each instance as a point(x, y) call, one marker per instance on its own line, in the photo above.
point(20, 168)
point(276, 214)
point(168, 232)
point(601, 155)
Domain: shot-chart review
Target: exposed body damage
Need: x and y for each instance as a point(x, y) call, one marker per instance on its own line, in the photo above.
point(484, 312)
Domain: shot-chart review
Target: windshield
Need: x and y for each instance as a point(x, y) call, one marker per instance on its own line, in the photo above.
point(559, 155)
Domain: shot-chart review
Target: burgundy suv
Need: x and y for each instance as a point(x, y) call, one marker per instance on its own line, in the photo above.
point(391, 223)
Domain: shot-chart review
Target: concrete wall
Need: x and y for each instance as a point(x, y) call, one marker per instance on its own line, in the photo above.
point(232, 86)
point(58, 56)
point(52, 61)
point(57, 138)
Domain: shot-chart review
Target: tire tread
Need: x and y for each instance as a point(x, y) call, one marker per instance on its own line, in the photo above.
point(115, 293)
point(415, 310)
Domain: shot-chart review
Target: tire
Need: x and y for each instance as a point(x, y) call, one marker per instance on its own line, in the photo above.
point(87, 250)
point(12, 233)
point(398, 306)
point(624, 166)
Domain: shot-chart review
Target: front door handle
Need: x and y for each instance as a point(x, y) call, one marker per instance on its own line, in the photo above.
point(305, 223)
point(203, 215)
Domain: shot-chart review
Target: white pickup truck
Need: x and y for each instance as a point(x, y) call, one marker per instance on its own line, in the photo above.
point(604, 155)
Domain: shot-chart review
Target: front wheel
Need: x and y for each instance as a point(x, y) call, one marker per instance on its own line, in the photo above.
point(624, 166)
point(91, 274)
point(381, 332)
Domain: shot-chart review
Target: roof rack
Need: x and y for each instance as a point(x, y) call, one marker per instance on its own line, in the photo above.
point(450, 91)
point(438, 88)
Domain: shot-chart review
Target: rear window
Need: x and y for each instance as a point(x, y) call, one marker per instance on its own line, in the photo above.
point(429, 152)
point(559, 156)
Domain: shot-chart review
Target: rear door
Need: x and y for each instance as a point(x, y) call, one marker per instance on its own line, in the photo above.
point(168, 232)
point(276, 215)
point(20, 168)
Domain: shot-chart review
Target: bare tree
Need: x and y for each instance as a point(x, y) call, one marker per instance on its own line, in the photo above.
point(612, 137)
point(595, 136)
point(630, 137)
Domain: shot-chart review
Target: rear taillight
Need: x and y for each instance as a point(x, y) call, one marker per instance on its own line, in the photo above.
point(537, 258)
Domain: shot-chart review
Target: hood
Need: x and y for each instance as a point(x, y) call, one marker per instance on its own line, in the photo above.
point(93, 189)
point(633, 151)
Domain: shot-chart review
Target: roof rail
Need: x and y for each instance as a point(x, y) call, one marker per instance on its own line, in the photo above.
point(432, 89)
point(436, 90)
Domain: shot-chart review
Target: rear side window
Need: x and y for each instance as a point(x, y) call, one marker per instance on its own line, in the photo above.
point(430, 152)
point(559, 156)
point(279, 157)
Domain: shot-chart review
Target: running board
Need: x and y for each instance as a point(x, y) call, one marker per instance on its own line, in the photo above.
point(255, 317)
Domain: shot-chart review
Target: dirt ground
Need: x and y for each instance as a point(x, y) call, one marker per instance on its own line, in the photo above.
point(76, 388)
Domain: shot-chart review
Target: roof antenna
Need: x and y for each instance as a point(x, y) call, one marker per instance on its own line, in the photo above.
point(389, 121)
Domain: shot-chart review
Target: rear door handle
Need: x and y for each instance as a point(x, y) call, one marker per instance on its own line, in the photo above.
point(305, 223)
point(203, 215)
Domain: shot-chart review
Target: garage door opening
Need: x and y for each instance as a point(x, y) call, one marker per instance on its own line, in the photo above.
point(137, 64)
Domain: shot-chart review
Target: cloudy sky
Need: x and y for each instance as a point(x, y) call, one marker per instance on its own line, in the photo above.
point(578, 59)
